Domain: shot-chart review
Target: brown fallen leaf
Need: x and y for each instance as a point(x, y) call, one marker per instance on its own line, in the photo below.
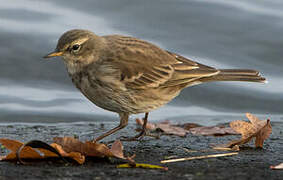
point(258, 129)
point(181, 130)
point(166, 127)
point(70, 144)
point(65, 147)
point(172, 130)
point(213, 131)
point(90, 149)
point(117, 150)
point(189, 126)
point(277, 167)
point(13, 146)
point(78, 157)
point(30, 153)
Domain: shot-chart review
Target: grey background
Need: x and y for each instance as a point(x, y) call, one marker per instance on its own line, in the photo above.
point(223, 34)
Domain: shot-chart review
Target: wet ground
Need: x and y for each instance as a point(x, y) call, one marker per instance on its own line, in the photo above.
point(250, 163)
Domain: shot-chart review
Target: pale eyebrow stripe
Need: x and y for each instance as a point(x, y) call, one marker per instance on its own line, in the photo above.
point(79, 41)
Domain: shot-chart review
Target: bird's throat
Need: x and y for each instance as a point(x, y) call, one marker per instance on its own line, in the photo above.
point(73, 68)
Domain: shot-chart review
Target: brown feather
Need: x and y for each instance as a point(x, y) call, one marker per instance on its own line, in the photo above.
point(144, 65)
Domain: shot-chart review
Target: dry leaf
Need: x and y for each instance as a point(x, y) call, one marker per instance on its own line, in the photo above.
point(260, 129)
point(66, 147)
point(279, 166)
point(78, 157)
point(30, 153)
point(263, 134)
point(172, 129)
point(70, 144)
point(91, 149)
point(13, 146)
point(212, 131)
point(181, 130)
point(117, 149)
point(166, 127)
point(189, 126)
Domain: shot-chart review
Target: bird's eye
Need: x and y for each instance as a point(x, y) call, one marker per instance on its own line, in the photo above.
point(75, 47)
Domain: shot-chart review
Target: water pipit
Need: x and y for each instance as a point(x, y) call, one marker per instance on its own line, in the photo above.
point(127, 75)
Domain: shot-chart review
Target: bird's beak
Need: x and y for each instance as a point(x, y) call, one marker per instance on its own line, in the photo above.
point(53, 54)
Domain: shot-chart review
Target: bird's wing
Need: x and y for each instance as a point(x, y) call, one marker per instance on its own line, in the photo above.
point(144, 65)
point(182, 75)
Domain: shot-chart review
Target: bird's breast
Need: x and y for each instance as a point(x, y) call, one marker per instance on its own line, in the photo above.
point(107, 95)
point(111, 94)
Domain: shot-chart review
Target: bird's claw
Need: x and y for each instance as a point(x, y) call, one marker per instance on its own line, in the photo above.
point(140, 136)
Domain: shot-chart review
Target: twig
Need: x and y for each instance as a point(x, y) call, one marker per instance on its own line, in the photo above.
point(199, 157)
point(189, 151)
point(234, 148)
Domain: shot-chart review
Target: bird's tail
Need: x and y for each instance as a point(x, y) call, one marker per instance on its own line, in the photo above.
point(236, 75)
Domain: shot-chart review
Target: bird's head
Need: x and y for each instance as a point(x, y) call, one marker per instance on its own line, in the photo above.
point(78, 47)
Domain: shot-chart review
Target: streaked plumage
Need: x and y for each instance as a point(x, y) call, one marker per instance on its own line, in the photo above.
point(128, 75)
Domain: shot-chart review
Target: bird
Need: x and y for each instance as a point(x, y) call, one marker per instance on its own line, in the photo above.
point(128, 75)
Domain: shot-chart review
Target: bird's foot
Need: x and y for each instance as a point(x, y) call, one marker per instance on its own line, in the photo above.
point(140, 136)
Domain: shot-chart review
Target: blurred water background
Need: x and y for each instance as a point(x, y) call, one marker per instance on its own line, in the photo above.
point(220, 33)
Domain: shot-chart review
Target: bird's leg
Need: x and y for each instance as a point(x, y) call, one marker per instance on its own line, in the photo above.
point(124, 117)
point(141, 134)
